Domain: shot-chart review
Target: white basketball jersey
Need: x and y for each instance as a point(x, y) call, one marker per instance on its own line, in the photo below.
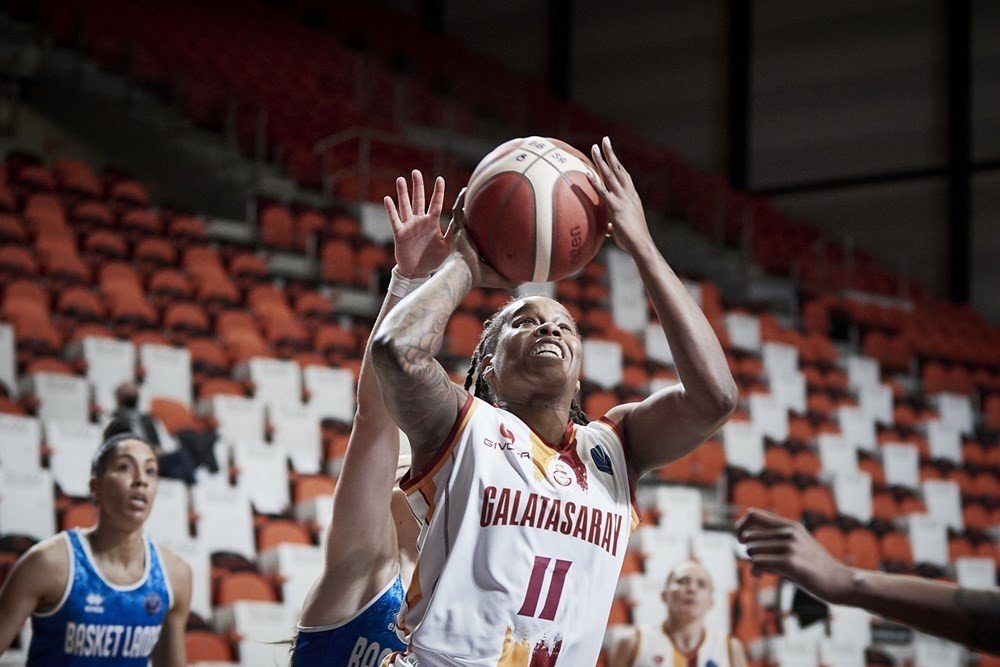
point(521, 544)
point(654, 649)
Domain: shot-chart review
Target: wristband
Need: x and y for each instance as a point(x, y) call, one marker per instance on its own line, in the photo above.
point(400, 285)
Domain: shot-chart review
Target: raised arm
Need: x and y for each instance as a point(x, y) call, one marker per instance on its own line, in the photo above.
point(416, 389)
point(785, 548)
point(671, 422)
point(361, 546)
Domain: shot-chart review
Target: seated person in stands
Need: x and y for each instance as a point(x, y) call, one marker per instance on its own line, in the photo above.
point(786, 548)
point(127, 412)
point(107, 591)
point(683, 637)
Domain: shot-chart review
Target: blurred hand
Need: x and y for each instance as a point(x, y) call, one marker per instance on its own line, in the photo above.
point(420, 245)
point(483, 275)
point(786, 548)
point(626, 217)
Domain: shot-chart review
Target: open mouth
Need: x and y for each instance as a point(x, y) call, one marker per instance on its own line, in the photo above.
point(138, 502)
point(546, 349)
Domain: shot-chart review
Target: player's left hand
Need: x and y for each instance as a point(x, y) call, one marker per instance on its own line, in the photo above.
point(420, 244)
point(626, 217)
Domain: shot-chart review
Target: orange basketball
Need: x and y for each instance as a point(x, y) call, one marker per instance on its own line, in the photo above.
point(531, 211)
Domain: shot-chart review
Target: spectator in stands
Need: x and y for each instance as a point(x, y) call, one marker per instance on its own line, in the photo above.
point(683, 636)
point(525, 504)
point(371, 544)
point(127, 412)
point(785, 548)
point(106, 591)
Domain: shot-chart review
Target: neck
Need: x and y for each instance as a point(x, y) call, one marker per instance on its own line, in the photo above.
point(685, 633)
point(117, 544)
point(546, 417)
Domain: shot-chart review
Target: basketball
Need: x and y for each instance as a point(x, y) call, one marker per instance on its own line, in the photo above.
point(531, 211)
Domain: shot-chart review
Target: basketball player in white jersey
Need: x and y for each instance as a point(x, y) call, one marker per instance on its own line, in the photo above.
point(682, 640)
point(106, 595)
point(526, 512)
point(371, 543)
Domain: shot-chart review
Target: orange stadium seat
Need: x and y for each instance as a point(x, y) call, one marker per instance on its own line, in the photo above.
point(862, 548)
point(175, 415)
point(186, 319)
point(819, 500)
point(277, 227)
point(833, 540)
point(313, 305)
point(462, 333)
point(105, 245)
point(169, 285)
point(187, 229)
point(786, 500)
point(155, 252)
point(79, 515)
point(976, 516)
point(597, 403)
point(749, 493)
point(12, 229)
point(129, 191)
point(206, 646)
point(79, 303)
point(884, 506)
point(959, 547)
point(709, 462)
point(281, 531)
point(216, 386)
point(236, 586)
point(337, 262)
point(895, 546)
point(778, 460)
point(17, 262)
point(141, 222)
point(307, 487)
point(807, 463)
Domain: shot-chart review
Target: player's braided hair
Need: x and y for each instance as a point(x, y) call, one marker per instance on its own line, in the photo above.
point(474, 380)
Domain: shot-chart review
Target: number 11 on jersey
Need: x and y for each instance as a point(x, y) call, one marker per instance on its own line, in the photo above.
point(537, 581)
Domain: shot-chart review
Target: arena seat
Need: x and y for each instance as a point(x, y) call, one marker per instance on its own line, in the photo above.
point(169, 516)
point(78, 515)
point(206, 646)
point(237, 586)
point(27, 506)
point(20, 442)
point(223, 520)
point(337, 262)
point(154, 253)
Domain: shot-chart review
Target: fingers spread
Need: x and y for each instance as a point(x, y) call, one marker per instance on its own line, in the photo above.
point(403, 196)
point(418, 192)
point(437, 197)
point(760, 547)
point(390, 211)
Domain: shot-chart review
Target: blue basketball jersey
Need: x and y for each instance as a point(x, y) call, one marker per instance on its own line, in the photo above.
point(100, 623)
point(361, 641)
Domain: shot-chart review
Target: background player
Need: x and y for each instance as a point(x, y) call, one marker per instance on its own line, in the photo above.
point(105, 595)
point(683, 638)
point(507, 571)
point(786, 548)
point(349, 615)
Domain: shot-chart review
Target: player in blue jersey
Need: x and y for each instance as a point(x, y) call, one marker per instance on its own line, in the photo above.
point(371, 545)
point(105, 595)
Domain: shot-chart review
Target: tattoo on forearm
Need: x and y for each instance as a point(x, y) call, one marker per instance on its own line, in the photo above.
point(417, 333)
point(983, 611)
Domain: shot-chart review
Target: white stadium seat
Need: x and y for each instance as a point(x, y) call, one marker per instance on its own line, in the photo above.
point(296, 429)
point(62, 397)
point(20, 443)
point(110, 363)
point(298, 567)
point(239, 418)
point(261, 626)
point(331, 392)
point(27, 503)
point(263, 475)
point(276, 381)
point(73, 445)
point(224, 519)
point(167, 373)
point(8, 359)
point(168, 520)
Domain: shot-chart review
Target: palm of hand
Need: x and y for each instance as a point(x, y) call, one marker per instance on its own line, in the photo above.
point(420, 246)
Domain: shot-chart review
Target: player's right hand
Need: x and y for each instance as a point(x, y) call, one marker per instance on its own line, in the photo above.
point(483, 275)
point(420, 245)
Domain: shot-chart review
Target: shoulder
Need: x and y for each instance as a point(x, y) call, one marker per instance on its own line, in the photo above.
point(45, 567)
point(177, 569)
point(49, 556)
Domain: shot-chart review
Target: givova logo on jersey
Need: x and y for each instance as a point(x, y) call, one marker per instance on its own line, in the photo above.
point(505, 442)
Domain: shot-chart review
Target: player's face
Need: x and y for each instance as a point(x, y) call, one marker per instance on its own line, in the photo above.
point(538, 346)
point(126, 490)
point(689, 593)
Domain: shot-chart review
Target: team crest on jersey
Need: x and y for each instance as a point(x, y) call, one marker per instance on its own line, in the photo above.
point(561, 474)
point(153, 604)
point(95, 604)
point(601, 459)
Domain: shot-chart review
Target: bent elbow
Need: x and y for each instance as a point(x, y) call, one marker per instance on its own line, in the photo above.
point(723, 400)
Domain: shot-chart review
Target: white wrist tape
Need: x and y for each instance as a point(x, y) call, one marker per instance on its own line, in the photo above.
point(400, 285)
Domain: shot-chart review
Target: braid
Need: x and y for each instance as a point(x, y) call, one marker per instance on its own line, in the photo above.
point(577, 414)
